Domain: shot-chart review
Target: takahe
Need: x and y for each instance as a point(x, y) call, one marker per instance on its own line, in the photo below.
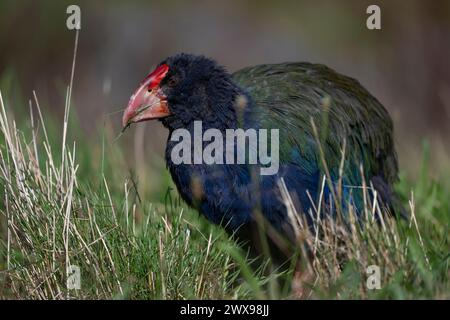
point(317, 112)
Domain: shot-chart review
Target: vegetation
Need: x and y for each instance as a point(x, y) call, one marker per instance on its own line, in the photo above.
point(64, 205)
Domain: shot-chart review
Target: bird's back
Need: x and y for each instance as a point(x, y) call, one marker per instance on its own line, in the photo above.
point(290, 96)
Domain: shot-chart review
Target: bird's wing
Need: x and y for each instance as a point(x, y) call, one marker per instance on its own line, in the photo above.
point(288, 96)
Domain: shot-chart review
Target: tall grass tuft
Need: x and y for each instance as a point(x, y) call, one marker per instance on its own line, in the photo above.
point(123, 249)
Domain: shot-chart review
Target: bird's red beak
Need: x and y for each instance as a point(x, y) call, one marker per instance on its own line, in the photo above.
point(148, 101)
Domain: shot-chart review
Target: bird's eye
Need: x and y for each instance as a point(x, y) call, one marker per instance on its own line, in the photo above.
point(172, 82)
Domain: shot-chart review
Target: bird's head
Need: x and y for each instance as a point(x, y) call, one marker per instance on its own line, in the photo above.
point(181, 89)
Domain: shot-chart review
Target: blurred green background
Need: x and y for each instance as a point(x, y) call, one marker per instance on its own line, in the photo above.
point(406, 64)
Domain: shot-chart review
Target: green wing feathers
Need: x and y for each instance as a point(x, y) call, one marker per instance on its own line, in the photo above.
point(288, 95)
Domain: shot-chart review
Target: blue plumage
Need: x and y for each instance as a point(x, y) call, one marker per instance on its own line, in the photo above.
point(288, 97)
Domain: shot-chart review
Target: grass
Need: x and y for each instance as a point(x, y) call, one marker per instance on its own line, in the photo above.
point(55, 213)
point(65, 202)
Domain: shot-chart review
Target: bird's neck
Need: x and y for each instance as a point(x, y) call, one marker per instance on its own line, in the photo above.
point(221, 104)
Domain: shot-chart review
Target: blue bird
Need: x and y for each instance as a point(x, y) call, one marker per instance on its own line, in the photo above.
point(319, 114)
